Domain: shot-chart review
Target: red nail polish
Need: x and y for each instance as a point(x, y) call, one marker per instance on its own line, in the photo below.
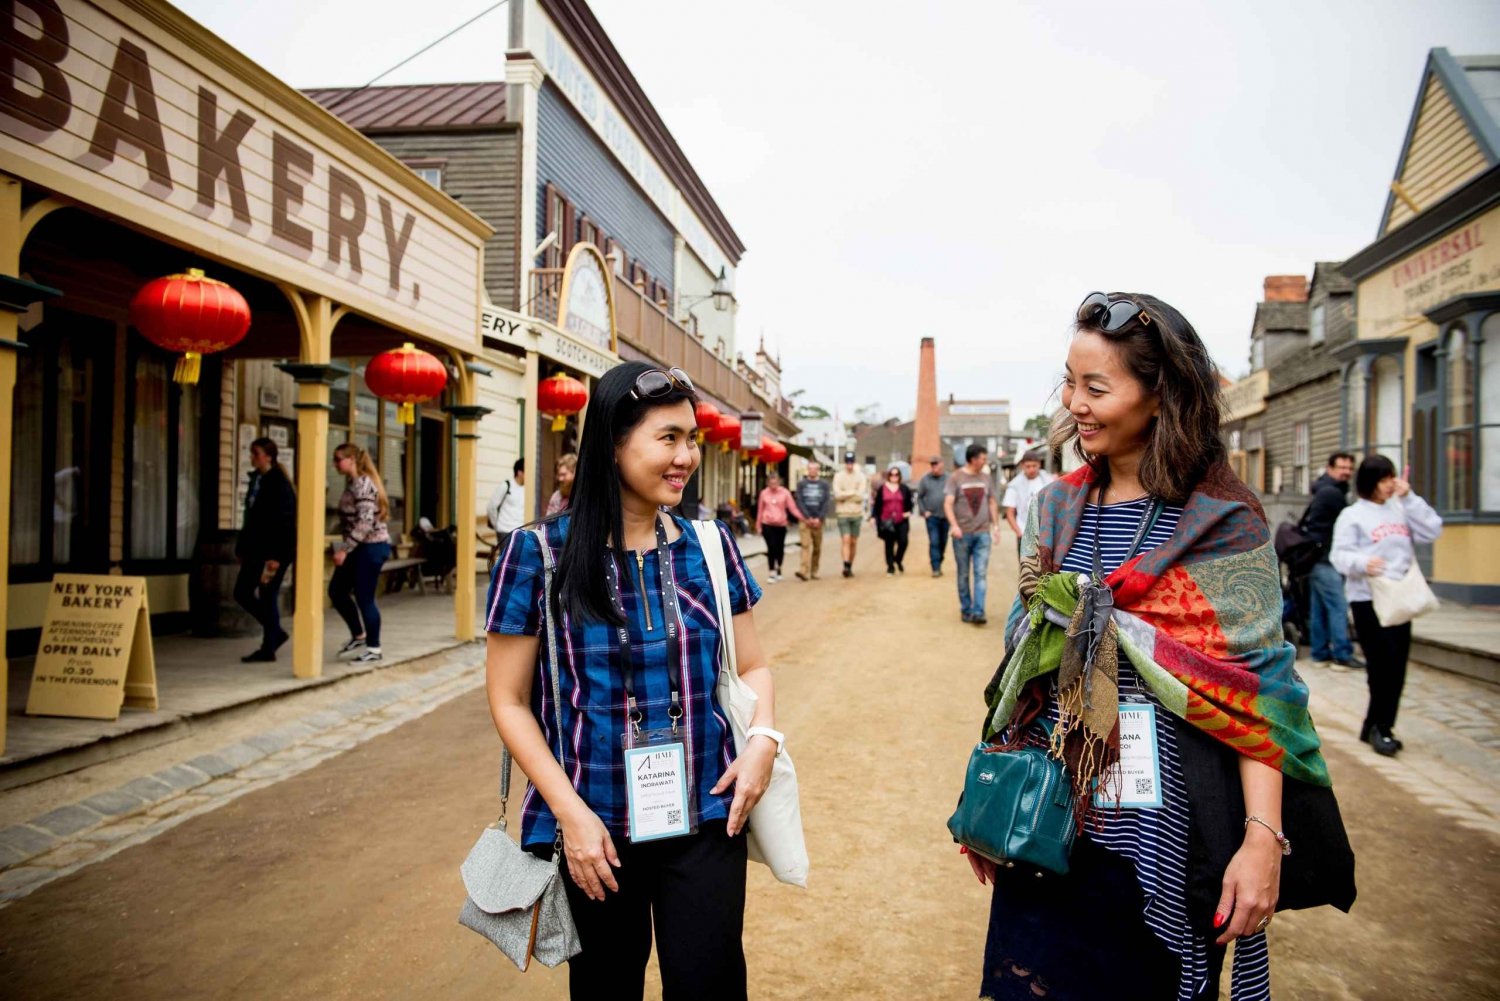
point(1219, 920)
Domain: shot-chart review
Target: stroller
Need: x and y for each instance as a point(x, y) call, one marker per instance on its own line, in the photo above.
point(1297, 555)
point(438, 548)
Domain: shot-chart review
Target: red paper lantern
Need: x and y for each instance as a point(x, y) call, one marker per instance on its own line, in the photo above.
point(406, 375)
point(191, 314)
point(707, 416)
point(560, 396)
point(728, 432)
point(772, 452)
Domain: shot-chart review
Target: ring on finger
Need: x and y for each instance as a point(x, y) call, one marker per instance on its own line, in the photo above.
point(1265, 923)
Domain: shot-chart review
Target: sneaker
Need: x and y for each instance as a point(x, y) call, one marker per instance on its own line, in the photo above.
point(1383, 742)
point(967, 617)
point(937, 573)
point(260, 656)
point(900, 567)
point(1366, 731)
point(1350, 663)
point(354, 645)
point(890, 571)
point(368, 655)
point(979, 620)
point(799, 575)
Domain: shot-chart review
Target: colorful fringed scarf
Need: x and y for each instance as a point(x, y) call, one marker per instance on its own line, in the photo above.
point(1199, 617)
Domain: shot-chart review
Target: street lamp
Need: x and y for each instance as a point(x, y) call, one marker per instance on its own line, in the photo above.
point(721, 294)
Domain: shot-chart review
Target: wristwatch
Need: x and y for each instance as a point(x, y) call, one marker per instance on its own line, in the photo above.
point(765, 731)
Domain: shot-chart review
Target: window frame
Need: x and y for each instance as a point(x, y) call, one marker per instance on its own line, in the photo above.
point(1472, 325)
point(1317, 324)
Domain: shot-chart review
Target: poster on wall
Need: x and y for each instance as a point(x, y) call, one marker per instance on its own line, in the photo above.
point(95, 655)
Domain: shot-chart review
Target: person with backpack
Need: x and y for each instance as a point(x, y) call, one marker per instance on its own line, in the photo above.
point(636, 665)
point(507, 506)
point(1328, 611)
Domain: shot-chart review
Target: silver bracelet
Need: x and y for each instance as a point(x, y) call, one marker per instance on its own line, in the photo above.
point(1281, 839)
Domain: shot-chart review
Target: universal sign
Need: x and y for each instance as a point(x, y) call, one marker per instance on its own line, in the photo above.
point(130, 107)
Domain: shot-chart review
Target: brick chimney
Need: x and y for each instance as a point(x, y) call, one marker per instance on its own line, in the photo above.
point(1286, 288)
point(925, 440)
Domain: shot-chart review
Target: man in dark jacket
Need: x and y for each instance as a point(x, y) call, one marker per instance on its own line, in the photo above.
point(1328, 614)
point(266, 546)
point(814, 496)
point(932, 493)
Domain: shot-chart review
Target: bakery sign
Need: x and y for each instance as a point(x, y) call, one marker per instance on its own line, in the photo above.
point(531, 334)
point(130, 107)
point(1464, 260)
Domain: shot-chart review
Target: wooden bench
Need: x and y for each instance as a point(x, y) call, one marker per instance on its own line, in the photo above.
point(401, 570)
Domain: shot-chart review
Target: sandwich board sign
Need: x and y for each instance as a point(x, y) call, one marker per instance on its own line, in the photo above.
point(95, 655)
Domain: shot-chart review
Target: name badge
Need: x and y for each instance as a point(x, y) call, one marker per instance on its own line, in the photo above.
point(657, 791)
point(1134, 782)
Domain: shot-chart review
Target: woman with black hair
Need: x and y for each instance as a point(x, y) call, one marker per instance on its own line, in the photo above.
point(1146, 641)
point(638, 651)
point(266, 545)
point(890, 510)
point(1373, 538)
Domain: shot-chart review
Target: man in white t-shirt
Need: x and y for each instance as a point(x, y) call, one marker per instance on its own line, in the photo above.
point(507, 506)
point(1022, 489)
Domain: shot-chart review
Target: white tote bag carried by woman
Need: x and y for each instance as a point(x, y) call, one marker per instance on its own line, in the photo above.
point(774, 835)
point(1398, 601)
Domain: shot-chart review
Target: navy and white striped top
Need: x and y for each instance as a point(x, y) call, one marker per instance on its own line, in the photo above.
point(1117, 532)
point(1156, 841)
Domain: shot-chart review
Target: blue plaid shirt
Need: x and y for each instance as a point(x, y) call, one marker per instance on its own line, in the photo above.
point(593, 695)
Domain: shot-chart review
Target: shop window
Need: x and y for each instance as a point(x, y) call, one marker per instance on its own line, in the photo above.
point(1257, 354)
point(1489, 414)
point(1301, 447)
point(164, 450)
point(1387, 406)
point(1352, 434)
point(1458, 422)
point(61, 449)
point(1317, 324)
point(430, 172)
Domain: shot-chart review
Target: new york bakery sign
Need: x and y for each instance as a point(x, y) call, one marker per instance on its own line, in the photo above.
point(116, 105)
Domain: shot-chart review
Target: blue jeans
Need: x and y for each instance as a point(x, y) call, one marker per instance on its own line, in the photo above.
point(1328, 614)
point(359, 573)
point(937, 539)
point(973, 550)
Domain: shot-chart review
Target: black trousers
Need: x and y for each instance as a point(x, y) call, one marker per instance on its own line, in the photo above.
point(262, 600)
point(692, 889)
point(1386, 649)
point(775, 536)
point(895, 544)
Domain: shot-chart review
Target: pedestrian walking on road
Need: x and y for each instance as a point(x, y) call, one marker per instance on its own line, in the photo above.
point(366, 545)
point(507, 507)
point(1021, 491)
point(890, 509)
point(771, 510)
point(638, 665)
point(266, 546)
point(931, 498)
point(562, 473)
point(1373, 538)
point(815, 499)
point(974, 515)
point(1328, 606)
point(851, 488)
point(1158, 540)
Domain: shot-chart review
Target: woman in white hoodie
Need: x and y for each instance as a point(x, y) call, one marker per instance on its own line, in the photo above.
point(1373, 537)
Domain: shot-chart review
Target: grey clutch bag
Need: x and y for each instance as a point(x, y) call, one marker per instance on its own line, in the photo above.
point(515, 899)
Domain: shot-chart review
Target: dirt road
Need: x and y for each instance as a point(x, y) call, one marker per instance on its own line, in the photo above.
point(342, 882)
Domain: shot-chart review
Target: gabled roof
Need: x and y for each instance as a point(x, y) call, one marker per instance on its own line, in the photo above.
point(1453, 135)
point(416, 107)
point(1329, 276)
point(1273, 317)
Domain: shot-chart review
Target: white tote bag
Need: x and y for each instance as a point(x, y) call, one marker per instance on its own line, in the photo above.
point(774, 835)
point(1399, 601)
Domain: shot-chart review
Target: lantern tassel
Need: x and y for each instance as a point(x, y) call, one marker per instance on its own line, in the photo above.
point(187, 369)
point(723, 446)
point(560, 422)
point(407, 413)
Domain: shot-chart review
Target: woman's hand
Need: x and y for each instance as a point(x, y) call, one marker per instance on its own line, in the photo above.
point(338, 557)
point(1401, 487)
point(751, 774)
point(1252, 885)
point(590, 852)
point(983, 867)
point(1374, 567)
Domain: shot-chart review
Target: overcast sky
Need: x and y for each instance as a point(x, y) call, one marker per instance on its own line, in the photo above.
point(968, 171)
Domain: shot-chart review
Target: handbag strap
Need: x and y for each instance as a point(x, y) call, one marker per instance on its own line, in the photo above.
point(718, 572)
point(549, 616)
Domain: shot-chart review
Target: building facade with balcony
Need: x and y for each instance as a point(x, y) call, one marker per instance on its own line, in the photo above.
point(567, 153)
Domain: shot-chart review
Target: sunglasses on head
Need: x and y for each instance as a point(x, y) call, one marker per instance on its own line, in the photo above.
point(1111, 317)
point(655, 383)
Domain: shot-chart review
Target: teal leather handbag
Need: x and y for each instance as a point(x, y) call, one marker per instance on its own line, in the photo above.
point(1016, 809)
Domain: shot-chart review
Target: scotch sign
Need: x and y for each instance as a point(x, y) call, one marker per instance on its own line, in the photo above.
point(95, 654)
